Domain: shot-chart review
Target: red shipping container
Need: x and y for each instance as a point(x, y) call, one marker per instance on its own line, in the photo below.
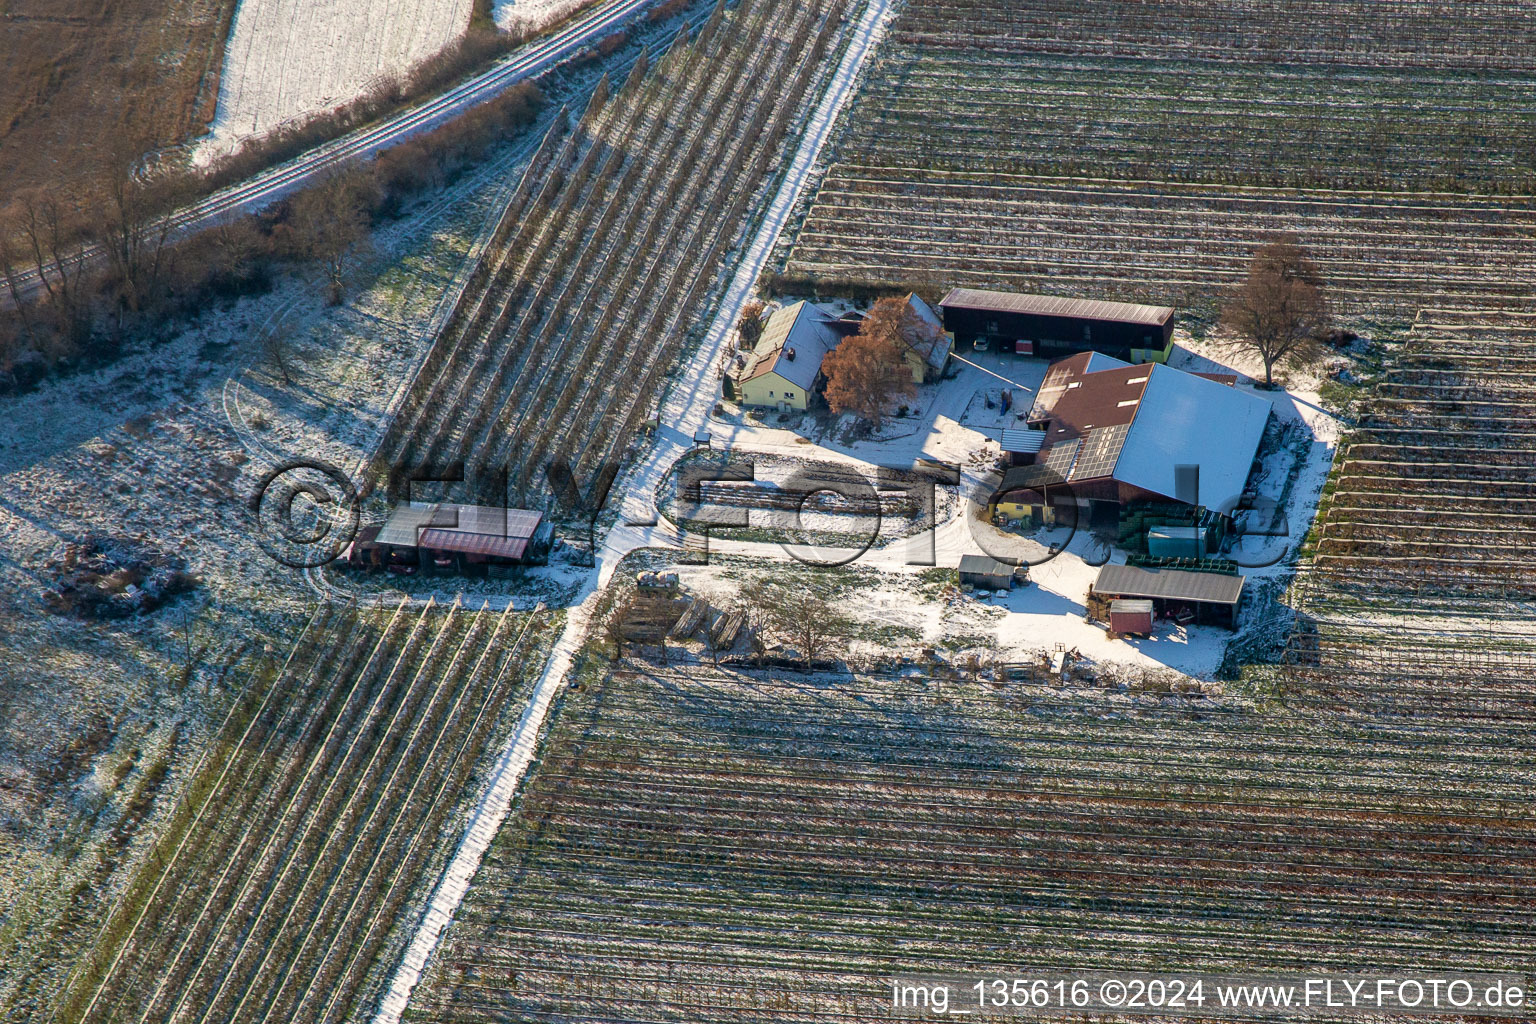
point(1127, 616)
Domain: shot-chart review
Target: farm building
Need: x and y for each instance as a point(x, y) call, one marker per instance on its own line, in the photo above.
point(1118, 433)
point(924, 343)
point(783, 370)
point(985, 573)
point(1051, 326)
point(926, 348)
point(448, 537)
point(1190, 597)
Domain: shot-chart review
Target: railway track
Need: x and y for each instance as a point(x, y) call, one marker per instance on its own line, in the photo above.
point(266, 188)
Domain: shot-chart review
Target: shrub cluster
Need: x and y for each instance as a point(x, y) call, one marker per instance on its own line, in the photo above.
point(85, 315)
point(110, 578)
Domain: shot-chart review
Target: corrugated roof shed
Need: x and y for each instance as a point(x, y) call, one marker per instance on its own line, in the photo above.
point(1024, 441)
point(984, 565)
point(1054, 305)
point(405, 523)
point(474, 543)
point(1168, 584)
point(1129, 606)
point(449, 526)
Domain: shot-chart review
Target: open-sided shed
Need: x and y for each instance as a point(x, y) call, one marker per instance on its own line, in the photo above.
point(450, 536)
point(1209, 597)
point(985, 573)
point(1054, 326)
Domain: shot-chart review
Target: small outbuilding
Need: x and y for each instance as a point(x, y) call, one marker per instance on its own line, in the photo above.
point(1186, 597)
point(1130, 616)
point(449, 537)
point(985, 573)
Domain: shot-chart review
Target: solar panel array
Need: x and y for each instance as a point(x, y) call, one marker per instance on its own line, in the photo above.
point(1100, 451)
point(1062, 455)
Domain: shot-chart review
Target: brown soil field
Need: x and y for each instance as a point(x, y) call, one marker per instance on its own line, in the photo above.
point(73, 72)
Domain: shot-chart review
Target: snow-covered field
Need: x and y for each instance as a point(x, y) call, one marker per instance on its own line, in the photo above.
point(532, 15)
point(288, 59)
point(145, 449)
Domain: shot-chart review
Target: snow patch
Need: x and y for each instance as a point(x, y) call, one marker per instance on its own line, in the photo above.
point(290, 59)
point(534, 15)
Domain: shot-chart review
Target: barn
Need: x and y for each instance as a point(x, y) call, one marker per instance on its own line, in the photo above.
point(1053, 326)
point(1117, 433)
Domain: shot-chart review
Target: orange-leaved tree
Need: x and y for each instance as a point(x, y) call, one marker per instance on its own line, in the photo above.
point(896, 320)
point(865, 375)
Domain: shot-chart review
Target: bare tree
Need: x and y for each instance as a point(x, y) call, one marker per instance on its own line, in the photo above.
point(795, 616)
point(135, 220)
point(1278, 311)
point(10, 349)
point(234, 254)
point(330, 221)
point(9, 265)
point(749, 326)
point(278, 349)
point(49, 232)
point(614, 628)
point(896, 320)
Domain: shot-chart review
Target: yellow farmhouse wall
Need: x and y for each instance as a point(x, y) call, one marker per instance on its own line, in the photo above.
point(772, 390)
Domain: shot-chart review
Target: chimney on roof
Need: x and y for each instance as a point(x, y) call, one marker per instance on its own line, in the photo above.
point(789, 354)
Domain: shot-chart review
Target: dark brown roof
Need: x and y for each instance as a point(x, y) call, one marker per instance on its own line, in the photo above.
point(1077, 402)
point(1168, 584)
point(1054, 305)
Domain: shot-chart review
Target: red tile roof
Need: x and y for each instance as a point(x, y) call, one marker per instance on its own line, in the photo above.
point(473, 543)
